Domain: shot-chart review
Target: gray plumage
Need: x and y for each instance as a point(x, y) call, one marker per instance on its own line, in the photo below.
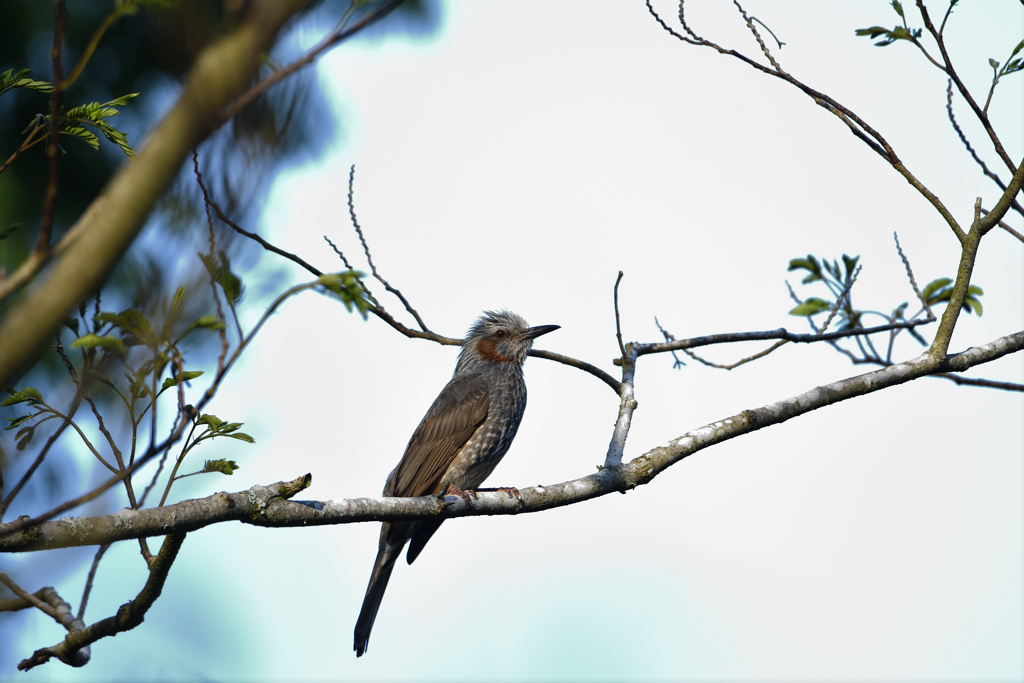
point(459, 442)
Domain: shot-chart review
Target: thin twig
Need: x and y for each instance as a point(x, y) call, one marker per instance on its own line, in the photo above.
point(128, 616)
point(839, 300)
point(53, 146)
point(1007, 228)
point(99, 418)
point(964, 92)
point(92, 575)
point(31, 599)
point(72, 409)
point(974, 155)
point(337, 35)
point(234, 226)
point(732, 366)
point(618, 325)
point(369, 259)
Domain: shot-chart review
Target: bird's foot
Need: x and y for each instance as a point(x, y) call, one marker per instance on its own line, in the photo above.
point(453, 490)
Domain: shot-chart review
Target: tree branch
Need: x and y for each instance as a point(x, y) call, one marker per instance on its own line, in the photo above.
point(269, 507)
point(128, 615)
point(108, 226)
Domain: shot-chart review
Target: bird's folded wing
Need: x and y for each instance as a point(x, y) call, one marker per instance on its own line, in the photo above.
point(457, 412)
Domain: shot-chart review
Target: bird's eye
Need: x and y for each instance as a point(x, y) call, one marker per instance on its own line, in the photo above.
point(499, 334)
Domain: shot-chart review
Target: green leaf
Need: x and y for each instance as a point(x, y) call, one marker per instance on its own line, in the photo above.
point(181, 377)
point(10, 80)
point(850, 263)
point(79, 132)
point(899, 312)
point(94, 113)
point(242, 437)
point(96, 375)
point(811, 306)
point(899, 8)
point(177, 302)
point(28, 395)
point(15, 421)
point(934, 286)
point(72, 323)
point(993, 63)
point(24, 436)
point(346, 286)
point(222, 466)
point(108, 343)
point(209, 322)
point(220, 271)
point(212, 420)
point(135, 324)
point(810, 264)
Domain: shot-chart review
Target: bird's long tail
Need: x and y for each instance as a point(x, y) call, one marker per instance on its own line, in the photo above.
point(382, 567)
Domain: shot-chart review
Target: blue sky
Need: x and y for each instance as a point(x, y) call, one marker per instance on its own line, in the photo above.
point(521, 158)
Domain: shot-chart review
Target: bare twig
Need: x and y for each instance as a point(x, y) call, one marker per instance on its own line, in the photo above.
point(30, 140)
point(964, 92)
point(241, 231)
point(1007, 228)
point(369, 259)
point(340, 33)
point(579, 365)
point(839, 301)
point(92, 575)
point(743, 361)
point(781, 333)
point(99, 419)
point(860, 128)
point(53, 145)
point(618, 325)
point(72, 409)
point(26, 597)
point(128, 615)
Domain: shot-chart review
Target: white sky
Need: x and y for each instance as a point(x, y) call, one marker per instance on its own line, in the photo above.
point(522, 159)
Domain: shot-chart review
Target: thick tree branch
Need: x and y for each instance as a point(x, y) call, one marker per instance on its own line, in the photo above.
point(128, 616)
point(269, 507)
point(107, 228)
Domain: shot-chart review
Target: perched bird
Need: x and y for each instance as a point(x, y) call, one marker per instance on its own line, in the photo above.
point(458, 443)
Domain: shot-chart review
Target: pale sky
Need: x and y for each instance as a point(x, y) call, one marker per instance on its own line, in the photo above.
point(520, 159)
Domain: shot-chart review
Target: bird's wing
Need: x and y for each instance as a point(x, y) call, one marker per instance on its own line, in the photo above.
point(457, 412)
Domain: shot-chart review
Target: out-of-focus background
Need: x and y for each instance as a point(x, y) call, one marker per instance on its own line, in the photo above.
point(520, 155)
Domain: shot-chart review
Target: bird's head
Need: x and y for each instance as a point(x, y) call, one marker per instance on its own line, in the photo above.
point(500, 337)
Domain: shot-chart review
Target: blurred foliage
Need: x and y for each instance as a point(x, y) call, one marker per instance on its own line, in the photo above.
point(147, 48)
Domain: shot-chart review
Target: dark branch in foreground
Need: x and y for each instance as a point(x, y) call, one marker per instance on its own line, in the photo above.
point(128, 616)
point(270, 507)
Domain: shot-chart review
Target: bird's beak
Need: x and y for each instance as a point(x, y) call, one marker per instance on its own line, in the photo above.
point(535, 332)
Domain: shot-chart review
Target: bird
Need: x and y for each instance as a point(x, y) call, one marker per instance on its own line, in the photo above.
point(459, 442)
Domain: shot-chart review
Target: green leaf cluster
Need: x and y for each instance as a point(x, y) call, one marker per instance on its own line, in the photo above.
point(34, 399)
point(1012, 65)
point(220, 271)
point(95, 114)
point(939, 292)
point(9, 80)
point(223, 466)
point(216, 427)
point(347, 287)
point(890, 36)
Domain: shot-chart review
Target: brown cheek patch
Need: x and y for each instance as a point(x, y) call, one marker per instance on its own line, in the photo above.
point(488, 350)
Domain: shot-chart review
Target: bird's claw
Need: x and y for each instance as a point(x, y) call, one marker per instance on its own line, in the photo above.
point(453, 490)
